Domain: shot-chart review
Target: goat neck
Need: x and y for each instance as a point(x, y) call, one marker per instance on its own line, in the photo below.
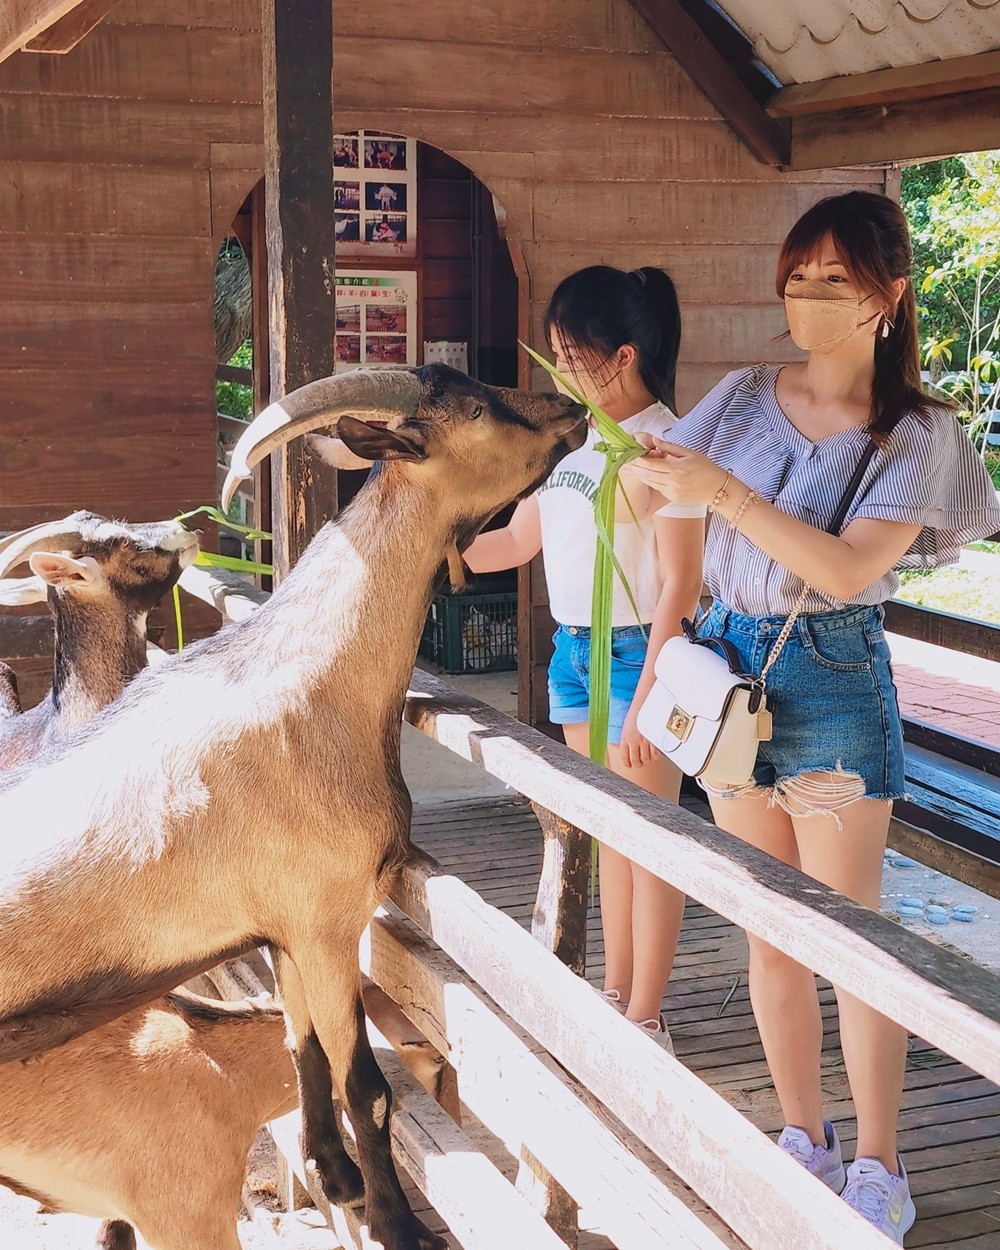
point(94, 658)
point(376, 568)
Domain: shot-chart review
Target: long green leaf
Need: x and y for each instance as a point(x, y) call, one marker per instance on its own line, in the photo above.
point(618, 447)
point(220, 518)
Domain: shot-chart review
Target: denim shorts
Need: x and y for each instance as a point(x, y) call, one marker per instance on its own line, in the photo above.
point(830, 691)
point(569, 675)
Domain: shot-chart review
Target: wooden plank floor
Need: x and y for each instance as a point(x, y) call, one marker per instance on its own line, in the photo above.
point(950, 1122)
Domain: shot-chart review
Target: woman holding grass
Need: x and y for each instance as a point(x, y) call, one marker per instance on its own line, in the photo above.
point(615, 335)
point(771, 452)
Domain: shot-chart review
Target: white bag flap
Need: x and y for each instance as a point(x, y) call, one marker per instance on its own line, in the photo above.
point(698, 677)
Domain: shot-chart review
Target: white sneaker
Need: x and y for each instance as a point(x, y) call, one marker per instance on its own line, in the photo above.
point(658, 1031)
point(825, 1162)
point(882, 1198)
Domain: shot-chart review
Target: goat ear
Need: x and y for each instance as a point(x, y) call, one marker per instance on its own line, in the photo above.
point(59, 570)
point(375, 442)
point(17, 591)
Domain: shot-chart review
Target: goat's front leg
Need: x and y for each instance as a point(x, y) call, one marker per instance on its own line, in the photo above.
point(321, 1139)
point(333, 986)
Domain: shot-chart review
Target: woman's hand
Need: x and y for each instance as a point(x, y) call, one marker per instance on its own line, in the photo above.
point(679, 474)
point(634, 748)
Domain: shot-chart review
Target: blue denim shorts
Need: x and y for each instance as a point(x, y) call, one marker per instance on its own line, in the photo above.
point(830, 691)
point(569, 675)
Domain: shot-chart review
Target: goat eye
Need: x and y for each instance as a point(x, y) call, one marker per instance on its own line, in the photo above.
point(477, 411)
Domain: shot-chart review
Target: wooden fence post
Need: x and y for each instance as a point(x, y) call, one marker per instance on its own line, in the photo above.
point(559, 923)
point(298, 167)
point(559, 920)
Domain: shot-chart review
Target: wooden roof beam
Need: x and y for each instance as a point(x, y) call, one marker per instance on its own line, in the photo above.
point(888, 86)
point(765, 136)
point(24, 20)
point(63, 35)
point(904, 130)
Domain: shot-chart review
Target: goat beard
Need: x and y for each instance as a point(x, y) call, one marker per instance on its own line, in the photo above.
point(456, 568)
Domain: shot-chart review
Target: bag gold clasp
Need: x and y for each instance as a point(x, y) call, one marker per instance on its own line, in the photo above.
point(679, 723)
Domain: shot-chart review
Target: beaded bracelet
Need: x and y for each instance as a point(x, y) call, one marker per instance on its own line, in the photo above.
point(722, 493)
point(751, 498)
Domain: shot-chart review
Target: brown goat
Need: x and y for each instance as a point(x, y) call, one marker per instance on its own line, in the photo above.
point(173, 817)
point(146, 1122)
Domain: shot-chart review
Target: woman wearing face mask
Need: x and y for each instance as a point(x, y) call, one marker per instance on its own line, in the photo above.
point(771, 451)
point(616, 336)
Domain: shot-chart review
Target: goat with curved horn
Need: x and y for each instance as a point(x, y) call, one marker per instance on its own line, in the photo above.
point(100, 578)
point(390, 393)
point(173, 816)
point(64, 535)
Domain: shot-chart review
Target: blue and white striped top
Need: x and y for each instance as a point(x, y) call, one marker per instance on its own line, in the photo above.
point(928, 474)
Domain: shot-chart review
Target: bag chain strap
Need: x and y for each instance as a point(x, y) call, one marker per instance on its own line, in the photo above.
point(786, 630)
point(833, 528)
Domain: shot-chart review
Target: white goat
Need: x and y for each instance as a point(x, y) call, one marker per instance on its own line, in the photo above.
point(248, 791)
point(101, 579)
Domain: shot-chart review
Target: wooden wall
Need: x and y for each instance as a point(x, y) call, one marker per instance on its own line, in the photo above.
point(123, 162)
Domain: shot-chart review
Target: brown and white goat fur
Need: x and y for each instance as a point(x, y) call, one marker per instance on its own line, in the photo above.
point(101, 578)
point(248, 791)
point(146, 1121)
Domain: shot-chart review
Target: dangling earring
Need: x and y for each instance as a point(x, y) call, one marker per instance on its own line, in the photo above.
point(886, 326)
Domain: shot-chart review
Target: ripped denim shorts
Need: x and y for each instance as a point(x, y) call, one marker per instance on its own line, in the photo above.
point(831, 694)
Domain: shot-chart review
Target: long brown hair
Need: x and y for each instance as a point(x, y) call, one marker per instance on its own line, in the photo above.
point(871, 239)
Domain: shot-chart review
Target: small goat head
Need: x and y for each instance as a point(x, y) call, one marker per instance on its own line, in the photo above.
point(90, 557)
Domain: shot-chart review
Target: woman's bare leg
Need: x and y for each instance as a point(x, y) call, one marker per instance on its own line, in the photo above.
point(849, 859)
point(782, 991)
point(640, 914)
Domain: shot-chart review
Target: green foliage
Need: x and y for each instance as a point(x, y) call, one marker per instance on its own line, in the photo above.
point(954, 211)
point(231, 398)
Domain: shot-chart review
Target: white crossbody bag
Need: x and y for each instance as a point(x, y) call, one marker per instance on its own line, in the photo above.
point(703, 712)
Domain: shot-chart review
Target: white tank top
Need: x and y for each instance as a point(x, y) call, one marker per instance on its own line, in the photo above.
point(569, 534)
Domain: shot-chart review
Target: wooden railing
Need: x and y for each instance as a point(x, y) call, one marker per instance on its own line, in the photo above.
point(587, 1109)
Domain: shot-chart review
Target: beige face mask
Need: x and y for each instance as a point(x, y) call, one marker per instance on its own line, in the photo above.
point(819, 322)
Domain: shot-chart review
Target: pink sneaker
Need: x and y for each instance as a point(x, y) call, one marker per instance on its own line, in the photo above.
point(658, 1031)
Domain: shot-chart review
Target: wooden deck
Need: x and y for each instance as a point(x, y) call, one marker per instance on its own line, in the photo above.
point(950, 1122)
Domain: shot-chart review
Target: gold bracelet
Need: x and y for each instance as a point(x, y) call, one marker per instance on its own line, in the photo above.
point(751, 498)
point(721, 494)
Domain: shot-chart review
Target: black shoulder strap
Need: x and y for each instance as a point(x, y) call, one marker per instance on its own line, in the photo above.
point(851, 489)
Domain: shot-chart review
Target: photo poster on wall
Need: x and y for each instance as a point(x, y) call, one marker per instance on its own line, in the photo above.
point(375, 194)
point(376, 319)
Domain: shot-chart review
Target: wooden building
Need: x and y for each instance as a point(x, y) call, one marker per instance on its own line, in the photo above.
point(631, 133)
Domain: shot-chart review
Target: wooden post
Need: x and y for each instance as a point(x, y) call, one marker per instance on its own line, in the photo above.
point(559, 923)
point(297, 43)
point(559, 920)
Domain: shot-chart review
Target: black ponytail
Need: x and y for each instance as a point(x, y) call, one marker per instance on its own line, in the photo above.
point(599, 309)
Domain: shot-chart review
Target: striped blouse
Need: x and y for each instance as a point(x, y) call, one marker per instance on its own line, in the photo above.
point(928, 474)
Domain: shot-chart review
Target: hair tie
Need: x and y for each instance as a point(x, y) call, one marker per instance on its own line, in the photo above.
point(640, 274)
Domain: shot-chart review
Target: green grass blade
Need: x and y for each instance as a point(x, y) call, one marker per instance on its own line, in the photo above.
point(210, 560)
point(178, 618)
point(220, 518)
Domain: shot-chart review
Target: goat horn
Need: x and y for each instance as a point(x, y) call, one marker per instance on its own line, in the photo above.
point(385, 392)
point(15, 592)
point(61, 535)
